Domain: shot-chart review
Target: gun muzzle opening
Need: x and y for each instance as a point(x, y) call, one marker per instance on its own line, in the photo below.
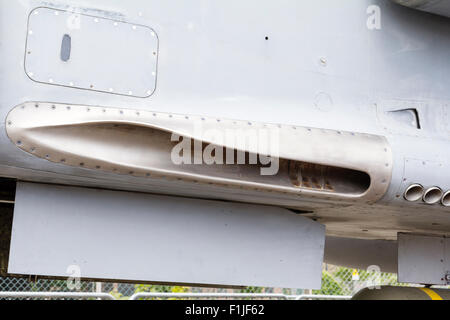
point(414, 192)
point(432, 195)
point(446, 199)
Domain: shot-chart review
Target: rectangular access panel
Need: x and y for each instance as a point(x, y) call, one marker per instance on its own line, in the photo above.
point(141, 237)
point(423, 259)
point(87, 52)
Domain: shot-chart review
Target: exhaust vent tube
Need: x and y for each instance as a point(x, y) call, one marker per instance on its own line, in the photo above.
point(432, 195)
point(446, 199)
point(414, 192)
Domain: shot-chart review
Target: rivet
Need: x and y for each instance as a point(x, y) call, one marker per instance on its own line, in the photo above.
point(19, 142)
point(53, 107)
point(154, 114)
point(153, 73)
point(71, 84)
point(104, 110)
point(50, 80)
point(134, 27)
point(137, 113)
point(154, 53)
point(68, 107)
point(30, 32)
point(111, 89)
point(88, 109)
point(116, 24)
point(121, 112)
point(130, 92)
point(9, 123)
point(47, 156)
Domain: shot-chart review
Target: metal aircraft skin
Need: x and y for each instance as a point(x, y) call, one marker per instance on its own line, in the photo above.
point(356, 92)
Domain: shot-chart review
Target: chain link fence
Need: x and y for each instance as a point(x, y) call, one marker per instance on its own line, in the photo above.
point(336, 281)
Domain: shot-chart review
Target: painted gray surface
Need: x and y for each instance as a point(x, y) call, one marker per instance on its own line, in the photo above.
point(214, 61)
point(361, 254)
point(159, 238)
point(423, 259)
